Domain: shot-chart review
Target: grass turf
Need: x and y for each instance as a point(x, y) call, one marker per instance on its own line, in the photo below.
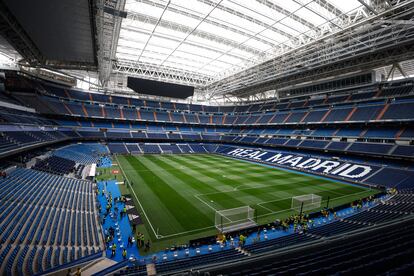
point(180, 193)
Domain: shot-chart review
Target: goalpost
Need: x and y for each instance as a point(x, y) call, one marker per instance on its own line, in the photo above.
point(306, 202)
point(234, 219)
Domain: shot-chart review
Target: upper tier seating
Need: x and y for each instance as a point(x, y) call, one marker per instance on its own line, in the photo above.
point(399, 111)
point(14, 137)
point(21, 117)
point(350, 113)
point(359, 107)
point(388, 90)
point(370, 148)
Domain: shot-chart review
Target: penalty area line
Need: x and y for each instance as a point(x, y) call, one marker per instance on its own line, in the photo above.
point(211, 207)
point(287, 209)
point(187, 232)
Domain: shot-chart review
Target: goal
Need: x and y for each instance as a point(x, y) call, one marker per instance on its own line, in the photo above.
point(229, 220)
point(167, 152)
point(306, 202)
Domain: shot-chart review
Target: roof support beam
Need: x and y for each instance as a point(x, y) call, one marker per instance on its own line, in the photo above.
point(163, 73)
point(344, 44)
point(153, 30)
point(108, 26)
point(191, 43)
point(327, 7)
point(195, 28)
point(331, 8)
point(248, 18)
point(395, 66)
point(287, 13)
point(139, 17)
point(213, 21)
point(371, 9)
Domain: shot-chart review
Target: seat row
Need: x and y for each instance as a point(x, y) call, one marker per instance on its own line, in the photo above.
point(155, 148)
point(373, 111)
point(54, 164)
point(42, 215)
point(384, 149)
point(389, 90)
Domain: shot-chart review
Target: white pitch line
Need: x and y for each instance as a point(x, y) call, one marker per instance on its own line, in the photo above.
point(273, 212)
point(187, 232)
point(197, 196)
point(211, 207)
point(265, 207)
point(264, 202)
point(136, 197)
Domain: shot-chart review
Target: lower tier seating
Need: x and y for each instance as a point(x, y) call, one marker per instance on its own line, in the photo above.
point(45, 221)
point(383, 250)
point(56, 165)
point(85, 153)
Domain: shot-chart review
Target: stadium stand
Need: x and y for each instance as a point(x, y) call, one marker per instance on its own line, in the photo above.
point(30, 198)
point(318, 100)
point(39, 256)
point(56, 165)
point(381, 250)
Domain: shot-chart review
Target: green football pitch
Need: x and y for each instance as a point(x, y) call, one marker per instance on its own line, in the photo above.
point(178, 195)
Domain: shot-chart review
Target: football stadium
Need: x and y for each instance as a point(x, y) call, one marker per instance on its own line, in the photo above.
point(207, 137)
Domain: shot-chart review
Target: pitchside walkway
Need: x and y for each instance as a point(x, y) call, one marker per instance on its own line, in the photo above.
point(117, 222)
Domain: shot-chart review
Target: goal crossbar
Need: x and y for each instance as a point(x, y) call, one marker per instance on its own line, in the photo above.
point(234, 219)
point(306, 202)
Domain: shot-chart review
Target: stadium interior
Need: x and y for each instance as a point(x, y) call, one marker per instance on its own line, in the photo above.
point(207, 137)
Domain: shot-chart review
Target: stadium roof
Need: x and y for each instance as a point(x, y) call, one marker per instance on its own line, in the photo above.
point(59, 34)
point(206, 40)
point(225, 48)
point(228, 46)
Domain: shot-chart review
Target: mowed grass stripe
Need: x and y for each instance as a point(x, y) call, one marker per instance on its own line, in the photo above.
point(247, 198)
point(192, 177)
point(271, 192)
point(189, 213)
point(215, 163)
point(244, 173)
point(160, 214)
point(305, 185)
point(257, 172)
point(220, 163)
point(326, 183)
point(227, 200)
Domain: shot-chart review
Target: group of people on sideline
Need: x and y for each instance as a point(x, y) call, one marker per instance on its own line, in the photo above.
point(112, 210)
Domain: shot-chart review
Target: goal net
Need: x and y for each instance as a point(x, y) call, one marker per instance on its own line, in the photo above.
point(306, 202)
point(167, 152)
point(229, 220)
